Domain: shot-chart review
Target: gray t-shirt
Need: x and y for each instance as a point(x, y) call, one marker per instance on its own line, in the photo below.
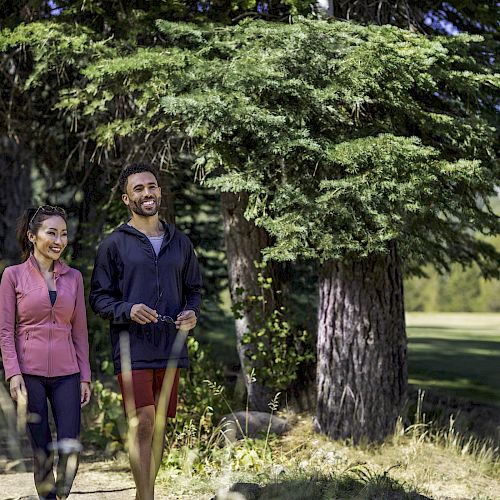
point(156, 241)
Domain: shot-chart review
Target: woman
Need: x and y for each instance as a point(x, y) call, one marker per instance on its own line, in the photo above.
point(44, 341)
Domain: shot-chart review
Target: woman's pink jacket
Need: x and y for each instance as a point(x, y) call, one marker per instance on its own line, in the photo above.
point(36, 337)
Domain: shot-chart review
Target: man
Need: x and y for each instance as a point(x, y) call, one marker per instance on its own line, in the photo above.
point(147, 282)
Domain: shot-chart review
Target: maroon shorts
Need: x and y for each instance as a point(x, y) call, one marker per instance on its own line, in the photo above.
point(147, 386)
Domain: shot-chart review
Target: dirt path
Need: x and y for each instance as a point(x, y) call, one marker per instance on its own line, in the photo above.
point(95, 481)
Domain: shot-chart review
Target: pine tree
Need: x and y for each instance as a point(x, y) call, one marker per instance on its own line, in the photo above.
point(365, 148)
point(378, 153)
point(368, 149)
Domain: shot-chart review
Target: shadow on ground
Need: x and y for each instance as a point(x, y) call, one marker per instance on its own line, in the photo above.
point(468, 418)
point(374, 488)
point(463, 367)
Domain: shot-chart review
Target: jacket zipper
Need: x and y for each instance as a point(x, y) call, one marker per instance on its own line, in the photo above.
point(158, 294)
point(56, 277)
point(25, 347)
point(52, 321)
point(157, 281)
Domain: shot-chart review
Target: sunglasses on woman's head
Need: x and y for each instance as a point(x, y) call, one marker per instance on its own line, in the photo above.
point(48, 210)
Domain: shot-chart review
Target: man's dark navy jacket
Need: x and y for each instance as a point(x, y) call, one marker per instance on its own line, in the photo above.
point(127, 272)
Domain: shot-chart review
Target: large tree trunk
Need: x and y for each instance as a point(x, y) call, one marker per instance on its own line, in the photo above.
point(15, 196)
point(362, 373)
point(244, 243)
point(167, 211)
point(403, 14)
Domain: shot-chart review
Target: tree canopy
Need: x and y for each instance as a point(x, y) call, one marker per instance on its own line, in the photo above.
point(345, 136)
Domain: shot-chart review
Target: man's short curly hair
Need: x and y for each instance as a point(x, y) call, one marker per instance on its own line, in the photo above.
point(135, 168)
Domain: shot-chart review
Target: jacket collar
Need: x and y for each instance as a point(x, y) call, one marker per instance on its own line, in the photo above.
point(169, 231)
point(59, 266)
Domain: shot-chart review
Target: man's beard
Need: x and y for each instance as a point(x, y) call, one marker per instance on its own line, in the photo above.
point(137, 208)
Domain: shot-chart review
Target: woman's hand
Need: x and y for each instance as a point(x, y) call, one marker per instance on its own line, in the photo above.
point(85, 393)
point(17, 387)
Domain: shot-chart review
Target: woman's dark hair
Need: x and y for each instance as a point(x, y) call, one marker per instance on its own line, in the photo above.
point(134, 168)
point(31, 220)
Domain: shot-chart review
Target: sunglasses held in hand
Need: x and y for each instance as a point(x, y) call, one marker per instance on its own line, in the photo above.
point(165, 319)
point(170, 320)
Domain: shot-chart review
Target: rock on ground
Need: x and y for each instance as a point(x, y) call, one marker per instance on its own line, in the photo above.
point(252, 424)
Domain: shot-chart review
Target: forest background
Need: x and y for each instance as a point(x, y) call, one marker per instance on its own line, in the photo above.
point(250, 110)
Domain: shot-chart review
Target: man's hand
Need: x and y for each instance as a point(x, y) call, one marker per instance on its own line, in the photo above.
point(84, 393)
point(142, 314)
point(186, 320)
point(17, 388)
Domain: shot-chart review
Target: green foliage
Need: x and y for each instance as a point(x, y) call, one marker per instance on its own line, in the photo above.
point(276, 347)
point(194, 396)
point(198, 412)
point(120, 15)
point(194, 456)
point(278, 350)
point(346, 137)
point(329, 193)
point(64, 47)
point(201, 447)
point(104, 422)
point(459, 290)
point(194, 433)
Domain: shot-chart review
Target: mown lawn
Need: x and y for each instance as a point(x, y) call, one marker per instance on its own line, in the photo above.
point(457, 354)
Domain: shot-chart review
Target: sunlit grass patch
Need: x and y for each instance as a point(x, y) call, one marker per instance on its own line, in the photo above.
point(482, 321)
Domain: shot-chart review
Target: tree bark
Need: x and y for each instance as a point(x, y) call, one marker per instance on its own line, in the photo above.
point(244, 243)
point(15, 195)
point(404, 14)
point(167, 211)
point(362, 372)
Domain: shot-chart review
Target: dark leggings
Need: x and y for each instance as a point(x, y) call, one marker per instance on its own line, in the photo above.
point(64, 396)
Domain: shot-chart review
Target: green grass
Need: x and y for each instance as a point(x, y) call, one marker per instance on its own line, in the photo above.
point(457, 354)
point(416, 462)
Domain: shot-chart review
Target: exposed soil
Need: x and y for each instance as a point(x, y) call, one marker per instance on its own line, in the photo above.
point(96, 480)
